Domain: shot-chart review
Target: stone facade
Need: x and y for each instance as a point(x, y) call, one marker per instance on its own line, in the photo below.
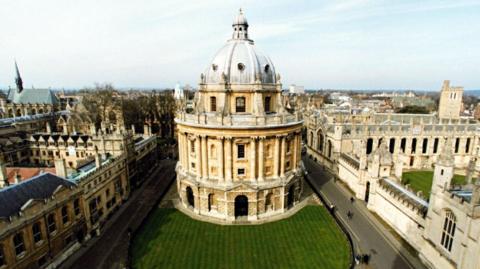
point(239, 151)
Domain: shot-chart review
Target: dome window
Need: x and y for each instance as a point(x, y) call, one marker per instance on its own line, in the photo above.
point(241, 66)
point(214, 67)
point(266, 68)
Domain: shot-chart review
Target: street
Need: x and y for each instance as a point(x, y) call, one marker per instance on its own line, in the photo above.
point(369, 236)
point(110, 250)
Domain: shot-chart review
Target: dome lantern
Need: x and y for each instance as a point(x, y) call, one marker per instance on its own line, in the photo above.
point(240, 26)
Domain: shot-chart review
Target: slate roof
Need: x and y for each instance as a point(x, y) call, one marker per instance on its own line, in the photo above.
point(41, 187)
point(32, 96)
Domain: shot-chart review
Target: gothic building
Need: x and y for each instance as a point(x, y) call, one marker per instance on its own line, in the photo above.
point(239, 151)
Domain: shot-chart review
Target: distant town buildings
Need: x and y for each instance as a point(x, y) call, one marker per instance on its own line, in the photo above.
point(294, 89)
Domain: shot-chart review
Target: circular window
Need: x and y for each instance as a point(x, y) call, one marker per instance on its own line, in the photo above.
point(267, 68)
point(214, 67)
point(241, 66)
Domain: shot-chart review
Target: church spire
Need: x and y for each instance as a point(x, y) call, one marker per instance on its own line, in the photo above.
point(240, 26)
point(18, 79)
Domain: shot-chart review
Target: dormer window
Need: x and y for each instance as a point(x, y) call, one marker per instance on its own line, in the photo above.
point(214, 67)
point(241, 66)
point(266, 68)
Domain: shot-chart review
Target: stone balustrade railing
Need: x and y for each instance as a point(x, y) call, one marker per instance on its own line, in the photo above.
point(241, 120)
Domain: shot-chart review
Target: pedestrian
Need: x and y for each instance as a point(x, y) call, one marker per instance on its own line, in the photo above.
point(357, 259)
point(332, 208)
point(366, 258)
point(349, 214)
point(352, 199)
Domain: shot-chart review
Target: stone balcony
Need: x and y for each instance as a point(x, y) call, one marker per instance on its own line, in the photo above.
point(239, 121)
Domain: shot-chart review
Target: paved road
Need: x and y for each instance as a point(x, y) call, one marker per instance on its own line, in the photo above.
point(110, 250)
point(367, 233)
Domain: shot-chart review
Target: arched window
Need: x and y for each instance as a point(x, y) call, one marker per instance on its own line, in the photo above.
point(52, 225)
point(19, 244)
point(392, 145)
point(467, 145)
point(414, 145)
point(268, 202)
point(213, 103)
point(320, 141)
point(448, 233)
point(369, 145)
point(37, 232)
point(211, 201)
point(240, 104)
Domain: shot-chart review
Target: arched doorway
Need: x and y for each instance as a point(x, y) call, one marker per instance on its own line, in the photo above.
point(367, 191)
point(241, 206)
point(290, 196)
point(190, 198)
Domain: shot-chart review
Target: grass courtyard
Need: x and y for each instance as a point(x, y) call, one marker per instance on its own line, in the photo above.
point(422, 181)
point(309, 239)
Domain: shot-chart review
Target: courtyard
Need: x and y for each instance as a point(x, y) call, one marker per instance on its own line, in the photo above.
point(422, 181)
point(309, 239)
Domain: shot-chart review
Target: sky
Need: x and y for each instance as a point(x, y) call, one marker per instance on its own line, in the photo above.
point(318, 44)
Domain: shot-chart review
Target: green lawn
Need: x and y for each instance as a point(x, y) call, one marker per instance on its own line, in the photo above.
point(309, 239)
point(422, 181)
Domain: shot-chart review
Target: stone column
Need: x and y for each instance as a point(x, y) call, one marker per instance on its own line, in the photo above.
point(186, 149)
point(198, 156)
point(221, 177)
point(253, 157)
point(282, 157)
point(204, 158)
point(261, 158)
point(228, 159)
point(275, 156)
point(295, 152)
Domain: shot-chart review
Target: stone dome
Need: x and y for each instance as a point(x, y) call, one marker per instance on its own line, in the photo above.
point(238, 61)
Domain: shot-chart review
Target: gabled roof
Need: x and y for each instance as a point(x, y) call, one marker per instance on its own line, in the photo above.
point(41, 187)
point(32, 96)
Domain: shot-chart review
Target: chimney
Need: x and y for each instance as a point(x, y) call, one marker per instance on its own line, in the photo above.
point(145, 129)
point(60, 168)
point(3, 175)
point(49, 129)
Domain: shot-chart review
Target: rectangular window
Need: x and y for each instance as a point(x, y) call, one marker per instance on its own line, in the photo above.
point(240, 151)
point(19, 244)
point(288, 146)
point(467, 145)
point(241, 171)
point(76, 207)
point(403, 144)
point(240, 104)
point(435, 145)
point(192, 146)
point(213, 103)
point(414, 145)
point(52, 225)
point(457, 144)
point(37, 232)
point(267, 104)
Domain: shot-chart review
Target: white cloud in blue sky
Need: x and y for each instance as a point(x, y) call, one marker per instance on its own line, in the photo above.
point(319, 44)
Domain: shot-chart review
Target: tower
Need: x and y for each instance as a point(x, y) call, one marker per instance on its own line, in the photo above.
point(18, 79)
point(450, 101)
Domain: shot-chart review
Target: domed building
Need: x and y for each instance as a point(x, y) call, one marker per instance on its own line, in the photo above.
point(240, 148)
